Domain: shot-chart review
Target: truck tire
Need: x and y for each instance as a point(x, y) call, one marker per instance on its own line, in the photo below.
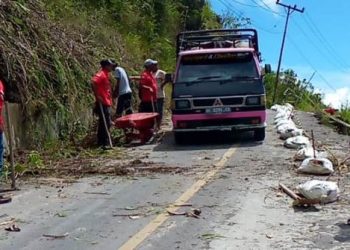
point(259, 134)
point(180, 138)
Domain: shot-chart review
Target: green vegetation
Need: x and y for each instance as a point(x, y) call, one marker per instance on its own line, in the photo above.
point(344, 113)
point(50, 49)
point(300, 93)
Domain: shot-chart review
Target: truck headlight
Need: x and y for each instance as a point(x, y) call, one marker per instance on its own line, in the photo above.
point(253, 100)
point(182, 104)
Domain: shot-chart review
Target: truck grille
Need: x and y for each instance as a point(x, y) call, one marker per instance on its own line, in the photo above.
point(225, 101)
point(221, 122)
point(232, 101)
point(203, 102)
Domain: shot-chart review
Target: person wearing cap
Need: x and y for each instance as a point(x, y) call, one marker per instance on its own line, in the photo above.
point(148, 88)
point(102, 89)
point(122, 91)
point(159, 75)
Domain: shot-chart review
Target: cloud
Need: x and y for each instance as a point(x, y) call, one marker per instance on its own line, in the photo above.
point(271, 4)
point(338, 97)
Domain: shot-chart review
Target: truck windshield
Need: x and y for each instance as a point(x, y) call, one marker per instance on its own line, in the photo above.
point(218, 74)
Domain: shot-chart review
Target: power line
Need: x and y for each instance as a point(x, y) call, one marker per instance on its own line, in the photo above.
point(231, 8)
point(240, 14)
point(321, 51)
point(326, 48)
point(309, 22)
point(310, 64)
point(265, 7)
point(257, 5)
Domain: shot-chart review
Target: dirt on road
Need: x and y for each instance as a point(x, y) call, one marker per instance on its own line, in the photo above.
point(233, 183)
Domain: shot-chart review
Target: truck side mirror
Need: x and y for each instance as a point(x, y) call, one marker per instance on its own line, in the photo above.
point(268, 69)
point(169, 77)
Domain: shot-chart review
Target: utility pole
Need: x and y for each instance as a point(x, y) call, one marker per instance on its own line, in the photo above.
point(290, 10)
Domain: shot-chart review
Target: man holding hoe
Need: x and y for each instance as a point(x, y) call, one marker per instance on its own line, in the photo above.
point(102, 89)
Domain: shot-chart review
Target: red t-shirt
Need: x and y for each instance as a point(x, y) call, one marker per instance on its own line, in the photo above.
point(2, 94)
point(103, 87)
point(147, 79)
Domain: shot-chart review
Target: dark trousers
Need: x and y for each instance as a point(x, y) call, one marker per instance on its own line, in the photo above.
point(124, 104)
point(102, 134)
point(160, 108)
point(147, 107)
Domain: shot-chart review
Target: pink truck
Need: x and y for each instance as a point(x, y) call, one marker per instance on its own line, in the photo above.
point(218, 83)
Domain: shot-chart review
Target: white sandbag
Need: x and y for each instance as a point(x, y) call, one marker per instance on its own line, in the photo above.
point(286, 127)
point(323, 154)
point(276, 121)
point(276, 107)
point(289, 106)
point(282, 115)
point(316, 166)
point(284, 121)
point(325, 191)
point(291, 133)
point(304, 153)
point(297, 142)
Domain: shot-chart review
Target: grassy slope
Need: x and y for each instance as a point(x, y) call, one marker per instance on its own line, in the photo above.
point(50, 49)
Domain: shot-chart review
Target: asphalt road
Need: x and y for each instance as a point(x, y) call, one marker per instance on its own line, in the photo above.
point(233, 181)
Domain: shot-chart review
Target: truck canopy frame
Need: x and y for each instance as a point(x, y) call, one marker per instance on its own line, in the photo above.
point(222, 38)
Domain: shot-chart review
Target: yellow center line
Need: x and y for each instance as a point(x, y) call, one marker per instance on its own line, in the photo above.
point(151, 227)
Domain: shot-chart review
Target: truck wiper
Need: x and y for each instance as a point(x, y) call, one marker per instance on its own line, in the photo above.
point(245, 77)
point(239, 78)
point(207, 78)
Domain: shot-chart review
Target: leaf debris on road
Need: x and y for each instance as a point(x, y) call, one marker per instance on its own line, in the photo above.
point(195, 213)
point(52, 236)
point(61, 215)
point(211, 236)
point(99, 193)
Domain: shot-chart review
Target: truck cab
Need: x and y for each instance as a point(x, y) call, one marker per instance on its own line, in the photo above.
point(218, 83)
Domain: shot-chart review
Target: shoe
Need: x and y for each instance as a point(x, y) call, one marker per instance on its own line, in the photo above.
point(4, 199)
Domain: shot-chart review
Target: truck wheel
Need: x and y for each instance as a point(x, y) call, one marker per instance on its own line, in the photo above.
point(259, 134)
point(180, 138)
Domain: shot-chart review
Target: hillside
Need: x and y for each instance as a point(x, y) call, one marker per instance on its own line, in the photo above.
point(50, 49)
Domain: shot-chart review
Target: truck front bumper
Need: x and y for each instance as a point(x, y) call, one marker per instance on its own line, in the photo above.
point(249, 120)
point(242, 127)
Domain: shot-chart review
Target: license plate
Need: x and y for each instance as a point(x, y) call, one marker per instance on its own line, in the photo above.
point(218, 110)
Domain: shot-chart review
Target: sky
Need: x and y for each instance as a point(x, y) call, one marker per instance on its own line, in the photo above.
point(317, 40)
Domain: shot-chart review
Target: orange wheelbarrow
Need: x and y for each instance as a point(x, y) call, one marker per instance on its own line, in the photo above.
point(138, 126)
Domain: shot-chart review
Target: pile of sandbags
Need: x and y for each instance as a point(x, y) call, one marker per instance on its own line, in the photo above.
point(284, 123)
point(313, 162)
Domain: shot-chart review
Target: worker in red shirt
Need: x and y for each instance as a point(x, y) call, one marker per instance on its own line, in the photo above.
point(148, 88)
point(2, 101)
point(102, 88)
